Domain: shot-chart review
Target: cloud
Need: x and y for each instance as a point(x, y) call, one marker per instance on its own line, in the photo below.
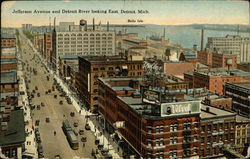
point(7, 4)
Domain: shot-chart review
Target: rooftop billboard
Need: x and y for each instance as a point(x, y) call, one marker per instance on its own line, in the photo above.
point(180, 108)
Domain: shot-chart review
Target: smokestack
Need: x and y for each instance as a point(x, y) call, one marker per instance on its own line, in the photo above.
point(202, 38)
point(55, 23)
point(93, 23)
point(164, 32)
point(49, 24)
point(108, 26)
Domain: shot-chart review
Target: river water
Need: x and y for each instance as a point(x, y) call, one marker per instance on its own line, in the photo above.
point(186, 36)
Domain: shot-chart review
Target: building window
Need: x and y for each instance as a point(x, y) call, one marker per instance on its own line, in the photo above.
point(173, 140)
point(209, 139)
point(209, 128)
point(102, 68)
point(95, 98)
point(203, 128)
point(95, 69)
point(186, 153)
point(111, 68)
point(173, 128)
point(173, 154)
point(195, 138)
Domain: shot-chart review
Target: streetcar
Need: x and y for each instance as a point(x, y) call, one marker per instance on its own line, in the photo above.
point(70, 135)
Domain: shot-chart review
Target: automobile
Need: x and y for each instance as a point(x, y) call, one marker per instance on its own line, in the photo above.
point(38, 107)
point(87, 127)
point(40, 149)
point(38, 139)
point(55, 96)
point(42, 104)
point(75, 132)
point(97, 141)
point(72, 114)
point(81, 132)
point(58, 157)
point(36, 130)
point(47, 120)
point(61, 102)
point(46, 92)
point(36, 88)
point(75, 124)
point(84, 139)
point(69, 102)
point(105, 151)
point(100, 146)
point(37, 122)
point(49, 91)
point(38, 94)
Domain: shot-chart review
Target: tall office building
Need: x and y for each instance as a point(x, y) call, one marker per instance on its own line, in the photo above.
point(230, 43)
point(82, 41)
point(245, 52)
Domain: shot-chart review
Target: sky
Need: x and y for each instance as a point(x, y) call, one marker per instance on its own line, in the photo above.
point(160, 12)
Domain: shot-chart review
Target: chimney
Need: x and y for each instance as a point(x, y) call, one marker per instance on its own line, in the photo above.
point(93, 23)
point(108, 26)
point(202, 38)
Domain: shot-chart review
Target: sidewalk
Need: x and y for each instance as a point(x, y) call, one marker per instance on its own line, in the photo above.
point(30, 144)
point(106, 144)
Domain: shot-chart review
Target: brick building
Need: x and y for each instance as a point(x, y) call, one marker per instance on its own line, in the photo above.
point(176, 68)
point(148, 120)
point(92, 67)
point(217, 130)
point(217, 60)
point(240, 93)
point(205, 57)
point(8, 59)
point(47, 45)
point(215, 79)
point(151, 128)
point(221, 102)
point(224, 60)
point(244, 66)
point(8, 40)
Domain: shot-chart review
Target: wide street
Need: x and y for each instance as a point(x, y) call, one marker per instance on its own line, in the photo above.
point(53, 144)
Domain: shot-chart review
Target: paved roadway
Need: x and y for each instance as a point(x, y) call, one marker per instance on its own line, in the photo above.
point(53, 145)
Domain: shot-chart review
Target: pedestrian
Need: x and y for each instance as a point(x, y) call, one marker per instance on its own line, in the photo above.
point(83, 144)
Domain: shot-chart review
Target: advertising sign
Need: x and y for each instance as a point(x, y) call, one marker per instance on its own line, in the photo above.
point(180, 108)
point(150, 96)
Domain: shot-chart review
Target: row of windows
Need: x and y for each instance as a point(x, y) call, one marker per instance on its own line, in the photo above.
point(92, 38)
point(86, 34)
point(80, 41)
point(73, 46)
point(219, 138)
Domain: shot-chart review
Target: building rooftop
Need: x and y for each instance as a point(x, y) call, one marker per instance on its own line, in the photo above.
point(243, 85)
point(136, 40)
point(122, 88)
point(240, 118)
point(8, 77)
point(8, 36)
point(224, 72)
point(110, 59)
point(212, 112)
point(15, 133)
point(189, 55)
point(68, 56)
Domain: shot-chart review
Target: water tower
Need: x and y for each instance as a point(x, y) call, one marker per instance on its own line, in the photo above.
point(229, 63)
point(83, 24)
